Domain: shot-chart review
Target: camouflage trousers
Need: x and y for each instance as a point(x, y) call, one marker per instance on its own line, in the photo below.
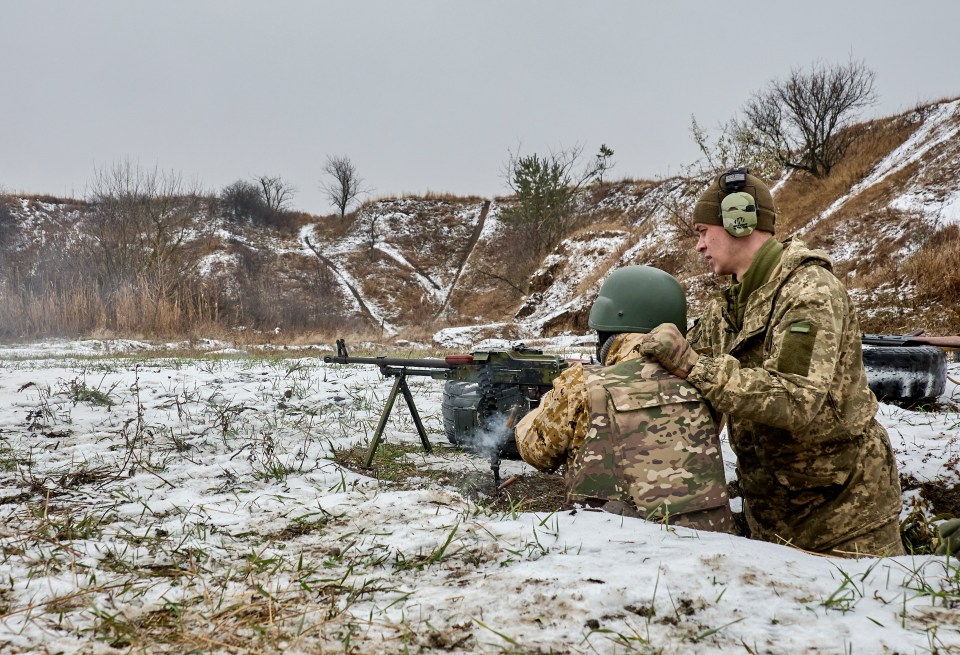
point(883, 541)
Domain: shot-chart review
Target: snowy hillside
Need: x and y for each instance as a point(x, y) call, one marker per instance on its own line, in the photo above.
point(420, 266)
point(426, 253)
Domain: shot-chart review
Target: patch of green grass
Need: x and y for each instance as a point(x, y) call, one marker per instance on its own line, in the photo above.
point(299, 526)
point(851, 590)
point(78, 391)
point(390, 463)
point(8, 457)
point(937, 579)
point(69, 526)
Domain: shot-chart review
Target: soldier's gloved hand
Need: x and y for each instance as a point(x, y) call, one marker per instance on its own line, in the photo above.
point(665, 344)
point(949, 538)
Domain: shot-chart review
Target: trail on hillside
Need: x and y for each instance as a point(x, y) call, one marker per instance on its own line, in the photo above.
point(377, 322)
point(471, 244)
point(425, 280)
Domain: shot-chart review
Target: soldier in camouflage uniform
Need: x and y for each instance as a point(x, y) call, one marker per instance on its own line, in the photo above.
point(779, 354)
point(635, 439)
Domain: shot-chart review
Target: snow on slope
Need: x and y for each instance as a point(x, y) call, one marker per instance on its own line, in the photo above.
point(564, 272)
point(935, 140)
point(422, 242)
point(570, 277)
point(428, 284)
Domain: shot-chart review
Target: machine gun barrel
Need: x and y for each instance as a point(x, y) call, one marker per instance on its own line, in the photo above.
point(389, 361)
point(397, 365)
point(913, 339)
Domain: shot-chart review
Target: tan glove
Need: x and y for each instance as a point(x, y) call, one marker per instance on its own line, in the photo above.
point(665, 344)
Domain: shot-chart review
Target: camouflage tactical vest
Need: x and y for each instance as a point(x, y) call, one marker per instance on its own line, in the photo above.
point(652, 444)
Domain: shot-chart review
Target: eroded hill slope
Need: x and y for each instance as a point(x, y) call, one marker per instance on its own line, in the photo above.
point(889, 215)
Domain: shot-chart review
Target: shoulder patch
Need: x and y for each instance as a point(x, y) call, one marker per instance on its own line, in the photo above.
point(796, 348)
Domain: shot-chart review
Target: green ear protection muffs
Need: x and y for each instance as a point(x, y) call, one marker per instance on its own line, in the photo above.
point(737, 201)
point(739, 214)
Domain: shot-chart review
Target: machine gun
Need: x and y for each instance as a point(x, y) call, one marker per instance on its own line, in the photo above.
point(485, 394)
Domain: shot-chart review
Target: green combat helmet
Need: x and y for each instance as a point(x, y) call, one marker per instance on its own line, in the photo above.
point(638, 299)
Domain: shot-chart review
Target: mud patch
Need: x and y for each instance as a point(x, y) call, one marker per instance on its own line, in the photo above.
point(943, 498)
point(536, 492)
point(525, 492)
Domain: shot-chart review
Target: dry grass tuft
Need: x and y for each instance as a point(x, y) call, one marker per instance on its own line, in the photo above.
point(133, 309)
point(935, 273)
point(428, 196)
point(803, 196)
point(33, 199)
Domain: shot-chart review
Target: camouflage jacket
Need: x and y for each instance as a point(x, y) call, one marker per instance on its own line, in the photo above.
point(634, 434)
point(815, 467)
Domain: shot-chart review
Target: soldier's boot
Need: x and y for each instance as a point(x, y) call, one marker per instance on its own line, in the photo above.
point(717, 519)
point(882, 542)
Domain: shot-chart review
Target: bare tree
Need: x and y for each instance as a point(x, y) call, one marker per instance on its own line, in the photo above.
point(139, 221)
point(345, 185)
point(801, 118)
point(735, 145)
point(277, 194)
point(243, 201)
point(679, 198)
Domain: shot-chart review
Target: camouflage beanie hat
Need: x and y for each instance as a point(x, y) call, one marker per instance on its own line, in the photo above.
point(707, 209)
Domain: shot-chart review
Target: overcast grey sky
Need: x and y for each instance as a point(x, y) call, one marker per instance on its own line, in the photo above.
point(422, 95)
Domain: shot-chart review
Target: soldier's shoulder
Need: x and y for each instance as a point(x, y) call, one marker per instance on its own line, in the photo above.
point(813, 279)
point(796, 253)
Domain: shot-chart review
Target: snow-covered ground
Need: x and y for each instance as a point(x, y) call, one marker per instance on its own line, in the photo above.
point(160, 504)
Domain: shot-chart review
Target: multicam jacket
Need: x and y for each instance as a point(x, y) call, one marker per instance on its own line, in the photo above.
point(634, 434)
point(815, 467)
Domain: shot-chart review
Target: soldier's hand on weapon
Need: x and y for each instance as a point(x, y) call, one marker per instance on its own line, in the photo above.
point(949, 538)
point(665, 344)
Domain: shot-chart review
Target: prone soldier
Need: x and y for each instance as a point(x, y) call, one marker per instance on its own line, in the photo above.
point(635, 439)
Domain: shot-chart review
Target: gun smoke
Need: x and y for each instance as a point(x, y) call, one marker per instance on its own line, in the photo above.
point(490, 439)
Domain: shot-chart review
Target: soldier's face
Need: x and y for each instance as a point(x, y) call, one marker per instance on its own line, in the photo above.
point(719, 248)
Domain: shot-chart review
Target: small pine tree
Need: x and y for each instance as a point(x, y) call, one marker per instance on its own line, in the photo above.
point(603, 162)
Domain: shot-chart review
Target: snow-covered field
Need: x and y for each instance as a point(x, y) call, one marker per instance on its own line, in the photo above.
point(161, 504)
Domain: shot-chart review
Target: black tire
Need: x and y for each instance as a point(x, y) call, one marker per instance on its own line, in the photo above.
point(906, 375)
